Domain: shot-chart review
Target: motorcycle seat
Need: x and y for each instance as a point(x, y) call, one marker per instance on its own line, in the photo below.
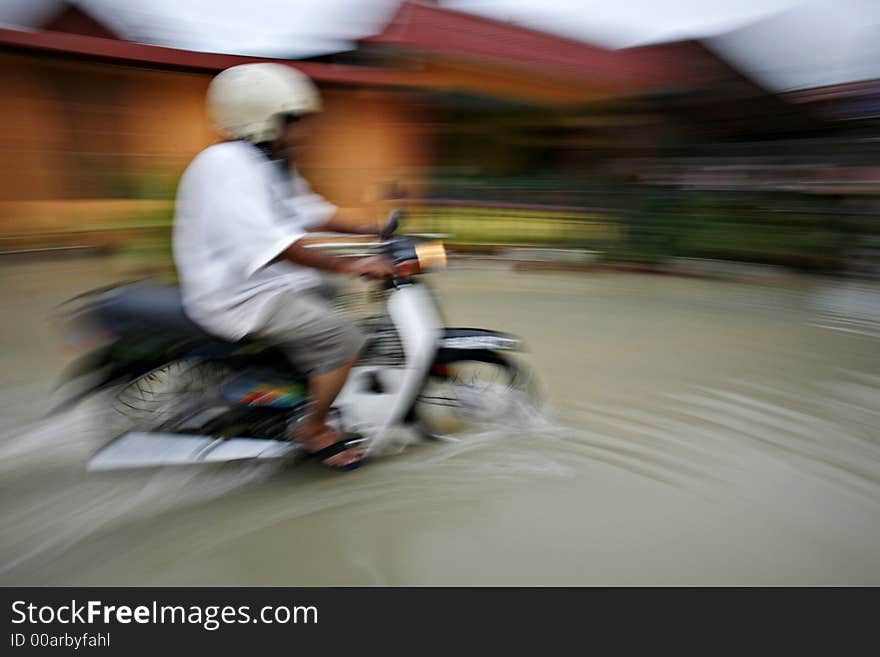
point(149, 305)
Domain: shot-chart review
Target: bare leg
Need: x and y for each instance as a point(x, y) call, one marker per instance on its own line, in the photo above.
point(315, 434)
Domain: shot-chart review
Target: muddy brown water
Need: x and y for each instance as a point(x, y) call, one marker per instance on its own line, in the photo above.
point(694, 432)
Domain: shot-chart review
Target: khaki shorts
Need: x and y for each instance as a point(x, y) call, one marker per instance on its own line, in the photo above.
point(316, 338)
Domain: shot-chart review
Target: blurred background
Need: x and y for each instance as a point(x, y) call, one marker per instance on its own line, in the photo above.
point(756, 144)
point(719, 426)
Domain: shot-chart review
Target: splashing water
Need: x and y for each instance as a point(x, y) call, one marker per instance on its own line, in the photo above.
point(696, 433)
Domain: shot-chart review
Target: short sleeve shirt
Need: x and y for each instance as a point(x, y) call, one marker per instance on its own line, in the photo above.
point(236, 212)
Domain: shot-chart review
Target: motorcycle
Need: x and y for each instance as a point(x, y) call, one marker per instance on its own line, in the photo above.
point(188, 397)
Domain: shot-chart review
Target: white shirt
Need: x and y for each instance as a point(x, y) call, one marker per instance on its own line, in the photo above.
point(236, 212)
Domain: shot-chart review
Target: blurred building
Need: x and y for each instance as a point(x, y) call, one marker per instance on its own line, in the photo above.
point(96, 130)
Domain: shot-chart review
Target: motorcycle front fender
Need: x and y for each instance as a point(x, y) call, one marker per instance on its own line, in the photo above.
point(473, 338)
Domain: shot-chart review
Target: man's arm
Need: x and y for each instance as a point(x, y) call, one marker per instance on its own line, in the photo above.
point(356, 221)
point(374, 266)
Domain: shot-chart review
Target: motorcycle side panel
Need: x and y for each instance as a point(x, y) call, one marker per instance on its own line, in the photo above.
point(254, 388)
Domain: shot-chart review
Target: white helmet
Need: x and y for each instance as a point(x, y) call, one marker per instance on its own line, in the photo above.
point(247, 101)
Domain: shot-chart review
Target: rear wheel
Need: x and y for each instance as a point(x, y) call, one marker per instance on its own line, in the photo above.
point(470, 390)
point(166, 397)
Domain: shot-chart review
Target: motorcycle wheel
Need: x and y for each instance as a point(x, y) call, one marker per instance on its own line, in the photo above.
point(164, 398)
point(470, 390)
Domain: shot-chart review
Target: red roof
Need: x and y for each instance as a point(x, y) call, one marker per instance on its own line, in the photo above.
point(74, 20)
point(127, 52)
point(423, 28)
point(430, 28)
point(845, 90)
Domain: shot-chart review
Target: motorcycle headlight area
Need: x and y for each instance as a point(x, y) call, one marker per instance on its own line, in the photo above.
point(431, 255)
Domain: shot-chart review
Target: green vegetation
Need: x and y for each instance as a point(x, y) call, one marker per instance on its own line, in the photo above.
point(620, 221)
point(796, 230)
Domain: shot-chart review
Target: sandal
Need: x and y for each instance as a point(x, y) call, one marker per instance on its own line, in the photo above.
point(337, 448)
point(353, 440)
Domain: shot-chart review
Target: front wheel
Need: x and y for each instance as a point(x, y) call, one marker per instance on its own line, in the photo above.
point(469, 390)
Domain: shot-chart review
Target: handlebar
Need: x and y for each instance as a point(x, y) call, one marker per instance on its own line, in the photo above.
point(411, 254)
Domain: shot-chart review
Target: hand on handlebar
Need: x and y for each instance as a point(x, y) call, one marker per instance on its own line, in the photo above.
point(374, 266)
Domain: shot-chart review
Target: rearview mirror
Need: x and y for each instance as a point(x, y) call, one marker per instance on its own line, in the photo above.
point(395, 218)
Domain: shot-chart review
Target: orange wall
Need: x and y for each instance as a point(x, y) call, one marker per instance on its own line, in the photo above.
point(86, 130)
point(67, 128)
point(363, 139)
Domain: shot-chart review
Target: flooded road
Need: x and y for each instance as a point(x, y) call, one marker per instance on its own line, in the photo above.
point(695, 432)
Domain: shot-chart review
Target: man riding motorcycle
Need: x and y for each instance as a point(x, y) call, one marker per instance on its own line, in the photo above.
point(242, 211)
